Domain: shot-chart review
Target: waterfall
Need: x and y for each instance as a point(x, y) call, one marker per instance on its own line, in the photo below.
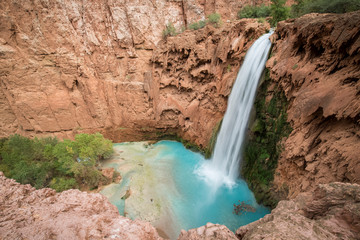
point(224, 164)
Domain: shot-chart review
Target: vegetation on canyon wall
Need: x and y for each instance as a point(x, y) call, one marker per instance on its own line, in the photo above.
point(278, 11)
point(264, 146)
point(213, 19)
point(48, 162)
point(323, 6)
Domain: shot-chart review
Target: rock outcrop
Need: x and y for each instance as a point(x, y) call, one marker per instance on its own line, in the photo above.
point(194, 73)
point(27, 213)
point(331, 212)
point(316, 61)
point(84, 66)
point(208, 232)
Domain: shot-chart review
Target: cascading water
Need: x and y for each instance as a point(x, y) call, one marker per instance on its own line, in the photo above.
point(224, 164)
point(164, 189)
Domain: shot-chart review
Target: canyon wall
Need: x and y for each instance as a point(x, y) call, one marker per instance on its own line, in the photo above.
point(84, 66)
point(316, 62)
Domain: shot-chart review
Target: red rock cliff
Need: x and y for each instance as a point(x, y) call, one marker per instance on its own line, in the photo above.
point(85, 66)
point(316, 61)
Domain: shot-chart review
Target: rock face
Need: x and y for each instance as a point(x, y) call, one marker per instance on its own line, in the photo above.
point(194, 73)
point(86, 66)
point(27, 213)
point(331, 212)
point(316, 61)
point(208, 232)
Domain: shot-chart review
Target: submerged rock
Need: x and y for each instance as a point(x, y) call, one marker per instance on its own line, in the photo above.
point(27, 213)
point(331, 212)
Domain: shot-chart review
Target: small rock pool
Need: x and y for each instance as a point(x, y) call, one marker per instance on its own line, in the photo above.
point(166, 190)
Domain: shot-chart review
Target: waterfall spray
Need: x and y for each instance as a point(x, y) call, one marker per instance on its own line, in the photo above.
point(223, 168)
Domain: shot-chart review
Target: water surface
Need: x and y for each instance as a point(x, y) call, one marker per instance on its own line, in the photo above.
point(167, 191)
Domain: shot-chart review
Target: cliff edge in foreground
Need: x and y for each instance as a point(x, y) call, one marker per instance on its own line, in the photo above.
point(27, 213)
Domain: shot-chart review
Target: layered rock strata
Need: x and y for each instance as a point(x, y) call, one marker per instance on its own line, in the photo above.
point(86, 66)
point(316, 60)
point(27, 213)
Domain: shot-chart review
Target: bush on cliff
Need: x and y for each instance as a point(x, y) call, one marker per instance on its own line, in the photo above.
point(197, 25)
point(48, 162)
point(169, 30)
point(278, 11)
point(214, 19)
point(302, 7)
point(250, 11)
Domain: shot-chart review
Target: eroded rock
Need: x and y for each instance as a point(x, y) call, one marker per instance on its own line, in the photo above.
point(208, 232)
point(331, 212)
point(68, 67)
point(27, 213)
point(316, 61)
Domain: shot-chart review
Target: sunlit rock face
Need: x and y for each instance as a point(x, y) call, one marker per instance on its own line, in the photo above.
point(86, 66)
point(316, 61)
point(27, 213)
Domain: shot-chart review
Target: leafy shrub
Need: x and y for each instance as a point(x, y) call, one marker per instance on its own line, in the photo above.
point(215, 19)
point(197, 25)
point(61, 183)
point(250, 11)
point(278, 11)
point(48, 162)
point(169, 30)
point(302, 7)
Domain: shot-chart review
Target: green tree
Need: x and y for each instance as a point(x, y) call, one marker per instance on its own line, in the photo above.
point(278, 11)
point(250, 11)
point(302, 7)
point(215, 19)
point(48, 162)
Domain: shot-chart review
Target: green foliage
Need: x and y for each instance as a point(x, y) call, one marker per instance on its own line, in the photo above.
point(228, 68)
point(215, 19)
point(61, 183)
point(302, 7)
point(169, 30)
point(250, 11)
point(211, 145)
point(48, 162)
point(261, 20)
point(278, 11)
point(197, 25)
point(264, 147)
